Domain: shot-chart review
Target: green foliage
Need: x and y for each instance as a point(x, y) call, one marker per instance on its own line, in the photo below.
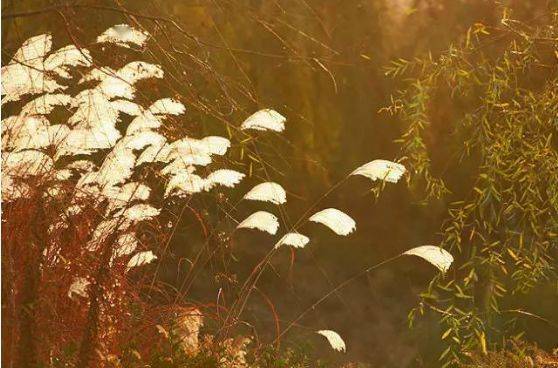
point(503, 223)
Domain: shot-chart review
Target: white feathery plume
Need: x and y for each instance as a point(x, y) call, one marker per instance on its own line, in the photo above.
point(261, 220)
point(93, 122)
point(336, 220)
point(185, 163)
point(114, 87)
point(12, 191)
point(138, 70)
point(184, 182)
point(211, 145)
point(127, 244)
point(140, 140)
point(189, 151)
point(123, 35)
point(24, 74)
point(33, 50)
point(56, 134)
point(187, 147)
point(381, 170)
point(117, 167)
point(17, 131)
point(437, 256)
point(26, 163)
point(215, 145)
point(334, 339)
point(55, 189)
point(120, 196)
point(27, 71)
point(20, 80)
point(89, 100)
point(140, 212)
point(167, 106)
point(267, 192)
point(140, 259)
point(78, 287)
point(72, 210)
point(21, 133)
point(144, 121)
point(157, 151)
point(103, 230)
point(32, 133)
point(97, 74)
point(295, 240)
point(94, 111)
point(86, 141)
point(63, 174)
point(87, 182)
point(224, 177)
point(90, 139)
point(120, 83)
point(266, 119)
point(117, 196)
point(43, 105)
point(127, 107)
point(60, 60)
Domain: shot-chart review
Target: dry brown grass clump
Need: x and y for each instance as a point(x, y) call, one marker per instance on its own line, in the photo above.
point(519, 355)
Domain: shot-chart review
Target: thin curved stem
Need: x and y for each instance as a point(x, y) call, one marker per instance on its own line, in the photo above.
point(247, 288)
point(334, 290)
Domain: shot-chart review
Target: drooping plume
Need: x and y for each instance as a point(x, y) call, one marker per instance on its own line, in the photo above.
point(295, 240)
point(381, 170)
point(261, 220)
point(225, 177)
point(339, 222)
point(437, 256)
point(267, 192)
point(266, 119)
point(140, 259)
point(334, 339)
point(123, 35)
